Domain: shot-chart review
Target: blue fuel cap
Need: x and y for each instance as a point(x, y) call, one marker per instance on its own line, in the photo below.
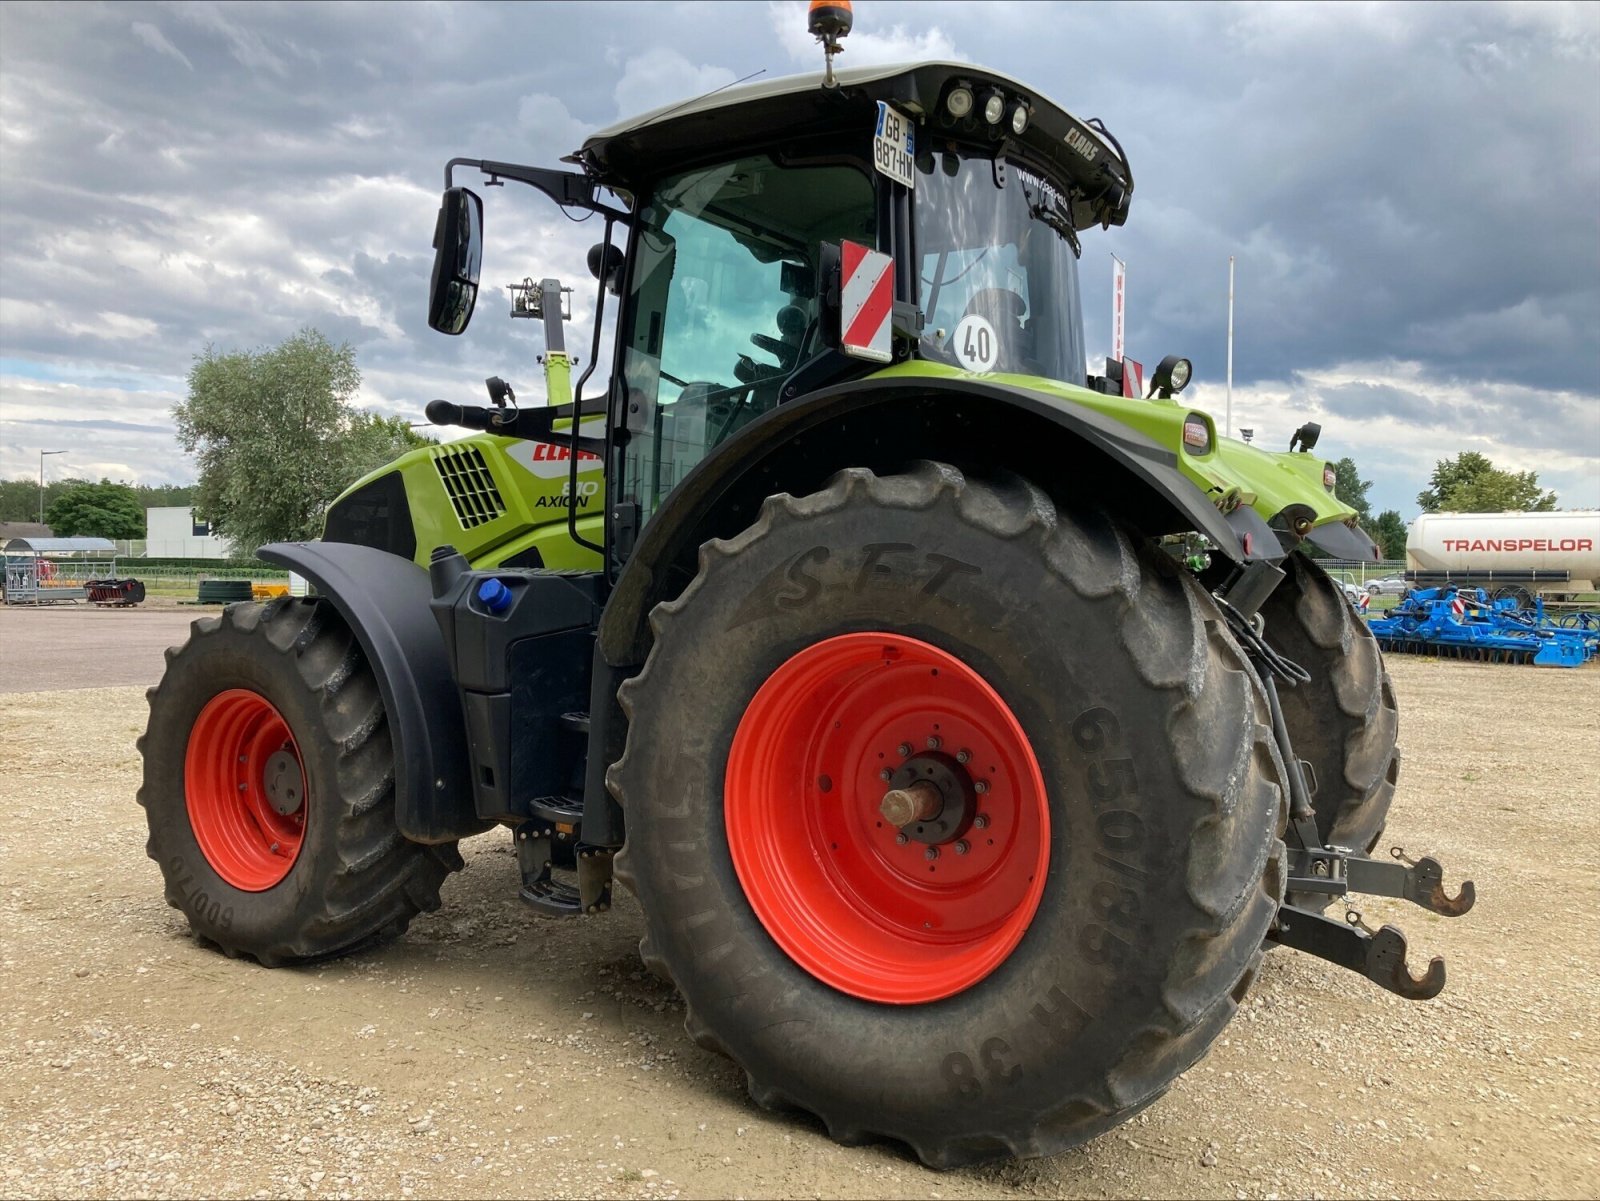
point(496, 597)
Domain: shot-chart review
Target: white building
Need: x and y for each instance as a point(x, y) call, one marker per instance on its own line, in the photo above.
point(174, 533)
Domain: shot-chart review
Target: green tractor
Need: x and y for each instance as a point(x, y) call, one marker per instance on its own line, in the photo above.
point(837, 623)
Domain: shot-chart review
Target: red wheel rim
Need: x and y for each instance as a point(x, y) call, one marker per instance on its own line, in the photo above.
point(245, 787)
point(826, 872)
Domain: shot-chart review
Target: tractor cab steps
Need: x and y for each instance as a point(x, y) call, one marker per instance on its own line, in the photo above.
point(558, 823)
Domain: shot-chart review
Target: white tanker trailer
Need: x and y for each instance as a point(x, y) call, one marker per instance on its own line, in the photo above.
point(1513, 554)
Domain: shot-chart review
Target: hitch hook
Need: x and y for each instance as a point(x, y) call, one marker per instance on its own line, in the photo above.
point(1380, 956)
point(1425, 886)
point(1386, 965)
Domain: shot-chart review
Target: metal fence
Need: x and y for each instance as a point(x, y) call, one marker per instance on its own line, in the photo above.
point(1359, 571)
point(46, 579)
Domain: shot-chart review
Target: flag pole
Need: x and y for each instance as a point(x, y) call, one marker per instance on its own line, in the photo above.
point(1119, 286)
point(1227, 424)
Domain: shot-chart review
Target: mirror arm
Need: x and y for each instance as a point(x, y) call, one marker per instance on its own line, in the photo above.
point(566, 188)
point(577, 404)
point(538, 425)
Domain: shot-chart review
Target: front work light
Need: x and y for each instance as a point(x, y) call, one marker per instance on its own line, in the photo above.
point(1019, 119)
point(959, 102)
point(1305, 438)
point(1172, 375)
point(994, 107)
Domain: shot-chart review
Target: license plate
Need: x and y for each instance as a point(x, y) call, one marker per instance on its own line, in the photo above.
point(894, 145)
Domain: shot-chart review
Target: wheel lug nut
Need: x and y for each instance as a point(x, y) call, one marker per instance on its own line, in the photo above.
point(981, 821)
point(933, 742)
point(962, 847)
point(886, 774)
point(980, 787)
point(901, 839)
point(963, 755)
point(905, 750)
point(931, 853)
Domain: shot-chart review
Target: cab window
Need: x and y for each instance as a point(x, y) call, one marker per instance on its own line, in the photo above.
point(723, 305)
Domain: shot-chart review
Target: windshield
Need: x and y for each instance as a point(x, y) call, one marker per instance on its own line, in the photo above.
point(723, 303)
point(999, 270)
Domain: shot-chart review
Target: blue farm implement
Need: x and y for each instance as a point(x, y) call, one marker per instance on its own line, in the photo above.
point(1460, 623)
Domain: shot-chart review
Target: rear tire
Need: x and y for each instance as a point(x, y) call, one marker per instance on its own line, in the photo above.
point(1343, 721)
point(283, 866)
point(1158, 791)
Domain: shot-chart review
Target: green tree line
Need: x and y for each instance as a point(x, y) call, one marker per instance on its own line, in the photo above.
point(19, 497)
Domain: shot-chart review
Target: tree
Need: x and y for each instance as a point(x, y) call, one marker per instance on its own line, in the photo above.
point(376, 440)
point(19, 498)
point(1470, 483)
point(103, 510)
point(1351, 488)
point(1389, 532)
point(277, 437)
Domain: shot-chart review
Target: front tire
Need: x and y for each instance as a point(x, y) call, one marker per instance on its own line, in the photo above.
point(269, 789)
point(1133, 787)
point(1343, 721)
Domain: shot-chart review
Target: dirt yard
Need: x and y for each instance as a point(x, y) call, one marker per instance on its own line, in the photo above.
point(491, 1054)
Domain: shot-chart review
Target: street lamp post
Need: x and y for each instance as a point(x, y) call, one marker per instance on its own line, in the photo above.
point(42, 454)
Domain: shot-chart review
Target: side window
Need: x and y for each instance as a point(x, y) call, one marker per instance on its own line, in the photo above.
point(723, 304)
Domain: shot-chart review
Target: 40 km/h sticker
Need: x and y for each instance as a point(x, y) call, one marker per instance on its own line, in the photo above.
point(976, 346)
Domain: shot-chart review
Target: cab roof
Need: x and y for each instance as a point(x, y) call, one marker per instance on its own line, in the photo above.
point(1079, 156)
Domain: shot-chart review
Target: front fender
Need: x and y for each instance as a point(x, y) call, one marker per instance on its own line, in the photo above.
point(384, 600)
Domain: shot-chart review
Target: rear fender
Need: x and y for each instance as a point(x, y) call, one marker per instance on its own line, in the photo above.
point(384, 600)
point(1081, 457)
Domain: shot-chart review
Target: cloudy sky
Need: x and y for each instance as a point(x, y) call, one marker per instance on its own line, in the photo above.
point(1412, 193)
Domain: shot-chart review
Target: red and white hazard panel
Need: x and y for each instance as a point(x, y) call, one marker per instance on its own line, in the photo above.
point(866, 293)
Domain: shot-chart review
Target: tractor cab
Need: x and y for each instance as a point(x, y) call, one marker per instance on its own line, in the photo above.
point(788, 235)
point(738, 297)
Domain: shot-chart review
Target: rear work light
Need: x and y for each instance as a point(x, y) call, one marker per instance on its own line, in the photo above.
point(1196, 434)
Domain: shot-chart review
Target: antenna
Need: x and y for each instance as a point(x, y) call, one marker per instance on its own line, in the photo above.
point(829, 21)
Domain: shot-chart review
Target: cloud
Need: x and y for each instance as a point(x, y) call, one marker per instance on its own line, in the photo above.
point(1418, 262)
point(157, 41)
point(865, 45)
point(1397, 420)
point(661, 76)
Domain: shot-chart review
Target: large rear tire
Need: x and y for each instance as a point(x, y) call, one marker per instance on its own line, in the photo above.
point(1021, 996)
point(1343, 721)
point(269, 789)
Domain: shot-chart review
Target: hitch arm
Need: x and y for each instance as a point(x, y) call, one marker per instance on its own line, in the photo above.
point(1380, 957)
point(1334, 871)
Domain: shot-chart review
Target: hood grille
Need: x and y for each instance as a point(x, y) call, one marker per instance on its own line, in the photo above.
point(469, 484)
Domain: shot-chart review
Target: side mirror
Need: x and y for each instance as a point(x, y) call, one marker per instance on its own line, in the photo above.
point(457, 256)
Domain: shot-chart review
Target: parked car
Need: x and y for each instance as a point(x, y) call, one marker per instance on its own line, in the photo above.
point(1389, 585)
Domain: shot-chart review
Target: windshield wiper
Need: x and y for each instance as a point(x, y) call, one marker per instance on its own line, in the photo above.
point(1054, 214)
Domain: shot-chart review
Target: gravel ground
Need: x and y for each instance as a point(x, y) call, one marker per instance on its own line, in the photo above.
point(489, 1053)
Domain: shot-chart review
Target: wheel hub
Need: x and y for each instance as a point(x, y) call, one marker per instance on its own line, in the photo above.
point(282, 782)
point(944, 799)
